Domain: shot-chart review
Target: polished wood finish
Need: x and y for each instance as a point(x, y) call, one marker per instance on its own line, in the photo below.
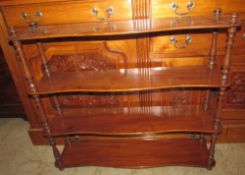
point(143, 153)
point(124, 27)
point(103, 54)
point(130, 80)
point(103, 81)
point(48, 74)
point(37, 102)
point(18, 2)
point(81, 12)
point(132, 121)
point(225, 72)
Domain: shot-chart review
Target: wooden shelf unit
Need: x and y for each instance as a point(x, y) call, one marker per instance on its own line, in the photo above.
point(129, 153)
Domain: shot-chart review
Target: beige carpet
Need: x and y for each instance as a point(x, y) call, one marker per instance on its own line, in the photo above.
point(19, 157)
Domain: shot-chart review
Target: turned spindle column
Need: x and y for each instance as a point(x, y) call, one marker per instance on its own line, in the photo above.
point(224, 80)
point(45, 67)
point(213, 51)
point(35, 96)
point(212, 58)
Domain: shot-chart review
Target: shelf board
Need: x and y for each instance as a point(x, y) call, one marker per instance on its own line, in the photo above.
point(130, 80)
point(135, 153)
point(120, 122)
point(123, 27)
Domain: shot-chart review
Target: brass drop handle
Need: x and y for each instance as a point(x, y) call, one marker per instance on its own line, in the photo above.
point(189, 6)
point(188, 40)
point(243, 36)
point(32, 22)
point(106, 16)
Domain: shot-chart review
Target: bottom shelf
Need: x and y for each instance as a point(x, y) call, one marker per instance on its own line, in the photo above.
point(135, 153)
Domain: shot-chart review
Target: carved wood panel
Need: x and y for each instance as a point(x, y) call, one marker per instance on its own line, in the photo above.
point(235, 96)
point(78, 100)
point(80, 62)
point(88, 60)
point(74, 57)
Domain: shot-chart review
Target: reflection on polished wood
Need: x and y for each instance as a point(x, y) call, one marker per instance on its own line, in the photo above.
point(128, 80)
point(124, 27)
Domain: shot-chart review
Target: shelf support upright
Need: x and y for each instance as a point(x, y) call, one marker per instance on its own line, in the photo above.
point(224, 79)
point(38, 105)
point(46, 69)
point(213, 51)
point(212, 58)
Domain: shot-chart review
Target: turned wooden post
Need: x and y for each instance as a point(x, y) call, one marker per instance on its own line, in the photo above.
point(212, 58)
point(211, 65)
point(38, 105)
point(213, 51)
point(225, 72)
point(45, 67)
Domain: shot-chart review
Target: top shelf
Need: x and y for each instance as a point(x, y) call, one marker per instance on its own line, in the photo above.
point(124, 27)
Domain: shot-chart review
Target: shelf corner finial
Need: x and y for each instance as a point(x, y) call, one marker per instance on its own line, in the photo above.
point(217, 13)
point(12, 31)
point(234, 18)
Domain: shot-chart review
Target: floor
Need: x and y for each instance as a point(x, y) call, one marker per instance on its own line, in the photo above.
point(19, 157)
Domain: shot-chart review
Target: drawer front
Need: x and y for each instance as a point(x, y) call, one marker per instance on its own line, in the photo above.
point(75, 12)
point(193, 45)
point(185, 45)
point(233, 131)
point(173, 8)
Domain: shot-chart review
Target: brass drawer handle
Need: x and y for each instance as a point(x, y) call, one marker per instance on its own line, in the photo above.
point(107, 15)
point(32, 21)
point(188, 40)
point(243, 36)
point(189, 6)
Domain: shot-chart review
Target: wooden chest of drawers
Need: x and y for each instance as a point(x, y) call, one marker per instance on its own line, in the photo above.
point(98, 55)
